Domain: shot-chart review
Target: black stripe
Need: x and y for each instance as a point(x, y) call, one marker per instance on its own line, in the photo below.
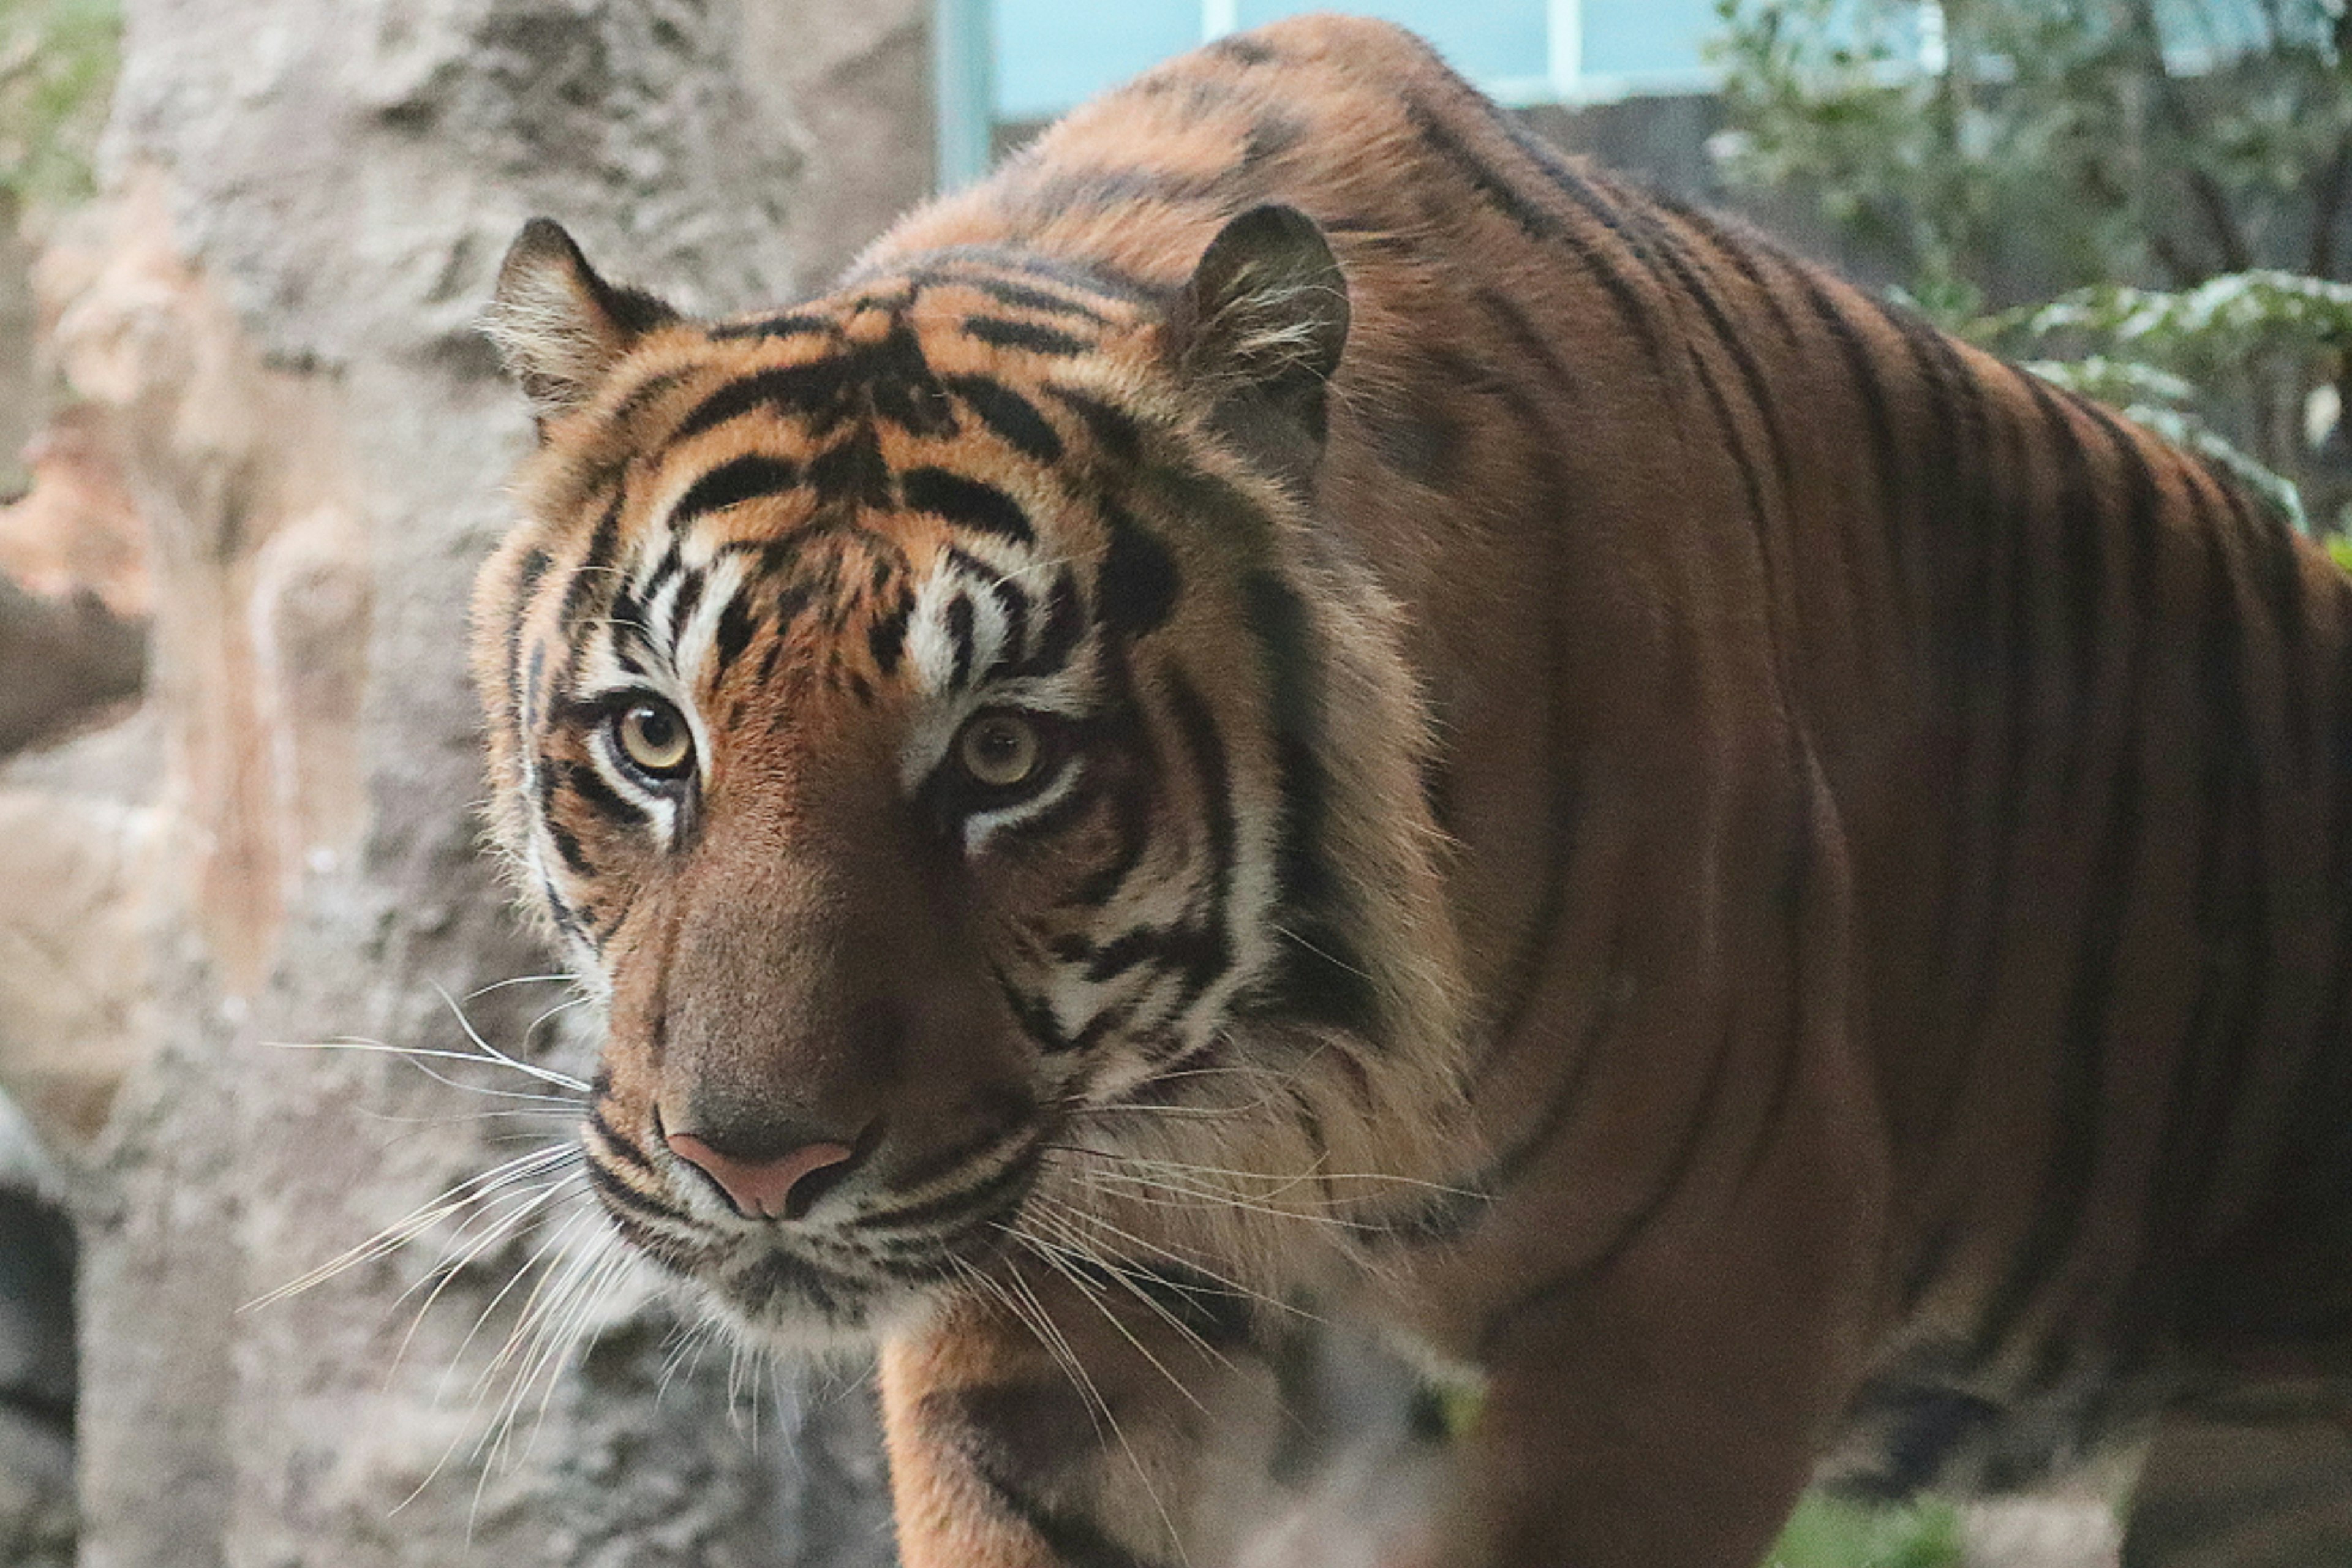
point(616, 1192)
point(1075, 1541)
point(1630, 1229)
point(1513, 1160)
point(736, 623)
point(885, 638)
point(899, 384)
point(567, 846)
point(818, 389)
point(1743, 251)
point(1065, 625)
point(588, 786)
point(733, 482)
point(851, 470)
point(618, 1147)
point(960, 623)
point(591, 573)
point(1538, 224)
point(2229, 898)
point(995, 1191)
point(1025, 335)
point(2076, 1118)
point(1094, 278)
point(1192, 950)
point(1013, 419)
point(1035, 1016)
point(529, 574)
point(2062, 1203)
point(1870, 394)
point(688, 599)
point(788, 325)
point(1139, 581)
point(1115, 430)
point(1198, 728)
point(1243, 49)
point(567, 919)
point(1535, 346)
point(1130, 808)
point(1014, 601)
point(1954, 538)
point(2006, 519)
point(1322, 973)
point(645, 394)
point(966, 502)
point(2076, 520)
point(2280, 583)
point(1019, 296)
point(1727, 333)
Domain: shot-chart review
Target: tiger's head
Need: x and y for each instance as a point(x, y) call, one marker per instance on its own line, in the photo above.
point(982, 801)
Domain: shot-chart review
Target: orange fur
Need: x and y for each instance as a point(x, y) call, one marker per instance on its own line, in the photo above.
point(1738, 866)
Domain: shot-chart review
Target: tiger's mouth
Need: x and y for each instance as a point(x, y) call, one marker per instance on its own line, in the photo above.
point(868, 1253)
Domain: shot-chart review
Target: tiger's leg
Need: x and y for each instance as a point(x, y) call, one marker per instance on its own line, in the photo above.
point(1662, 1371)
point(1663, 1413)
point(1066, 1426)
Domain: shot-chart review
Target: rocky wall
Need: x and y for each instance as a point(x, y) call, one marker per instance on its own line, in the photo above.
point(273, 315)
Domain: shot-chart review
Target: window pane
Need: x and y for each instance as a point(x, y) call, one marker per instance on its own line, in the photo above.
point(1486, 40)
point(1050, 54)
point(1641, 43)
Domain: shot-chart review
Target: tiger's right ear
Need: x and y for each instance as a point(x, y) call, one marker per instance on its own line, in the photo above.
point(559, 327)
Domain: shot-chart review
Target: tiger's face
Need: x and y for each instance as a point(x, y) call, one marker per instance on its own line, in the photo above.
point(897, 709)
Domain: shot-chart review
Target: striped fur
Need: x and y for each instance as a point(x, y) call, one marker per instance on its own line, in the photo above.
point(1769, 883)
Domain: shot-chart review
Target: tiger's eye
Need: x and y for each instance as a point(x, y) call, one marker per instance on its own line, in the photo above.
point(999, 749)
point(654, 739)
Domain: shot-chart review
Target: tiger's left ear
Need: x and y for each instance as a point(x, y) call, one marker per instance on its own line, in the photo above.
point(1265, 314)
point(559, 327)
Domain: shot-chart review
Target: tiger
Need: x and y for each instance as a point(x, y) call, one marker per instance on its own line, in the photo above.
point(1299, 709)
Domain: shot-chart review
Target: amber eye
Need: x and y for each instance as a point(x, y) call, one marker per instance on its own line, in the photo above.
point(999, 749)
point(654, 739)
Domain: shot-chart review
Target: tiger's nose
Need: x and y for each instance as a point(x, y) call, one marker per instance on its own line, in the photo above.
point(777, 1186)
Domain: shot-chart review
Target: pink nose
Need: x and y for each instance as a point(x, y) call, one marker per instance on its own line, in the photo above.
point(763, 1188)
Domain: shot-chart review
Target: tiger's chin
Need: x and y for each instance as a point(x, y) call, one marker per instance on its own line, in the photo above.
point(770, 1297)
point(829, 1293)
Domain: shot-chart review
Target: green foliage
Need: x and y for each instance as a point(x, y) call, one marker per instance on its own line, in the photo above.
point(1993, 150)
point(2220, 318)
point(1826, 1533)
point(2176, 172)
point(57, 67)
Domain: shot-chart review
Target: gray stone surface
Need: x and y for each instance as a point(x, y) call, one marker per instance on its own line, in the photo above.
point(20, 383)
point(319, 440)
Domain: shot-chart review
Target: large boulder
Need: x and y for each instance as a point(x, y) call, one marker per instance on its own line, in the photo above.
point(273, 315)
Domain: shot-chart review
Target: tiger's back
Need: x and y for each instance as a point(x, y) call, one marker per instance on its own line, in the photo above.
point(1891, 819)
point(2083, 710)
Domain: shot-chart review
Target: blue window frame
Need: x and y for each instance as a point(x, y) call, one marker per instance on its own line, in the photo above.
point(1011, 61)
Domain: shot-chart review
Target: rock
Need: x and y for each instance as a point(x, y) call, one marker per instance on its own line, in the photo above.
point(273, 316)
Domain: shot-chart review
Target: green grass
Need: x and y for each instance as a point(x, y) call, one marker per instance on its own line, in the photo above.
point(1826, 1533)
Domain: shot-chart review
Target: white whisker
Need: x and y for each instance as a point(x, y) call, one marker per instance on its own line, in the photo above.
point(545, 1075)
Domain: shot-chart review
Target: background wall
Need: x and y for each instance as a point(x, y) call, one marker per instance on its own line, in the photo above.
point(269, 318)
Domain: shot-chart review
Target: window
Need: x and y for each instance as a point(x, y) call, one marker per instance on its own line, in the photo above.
point(1017, 61)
